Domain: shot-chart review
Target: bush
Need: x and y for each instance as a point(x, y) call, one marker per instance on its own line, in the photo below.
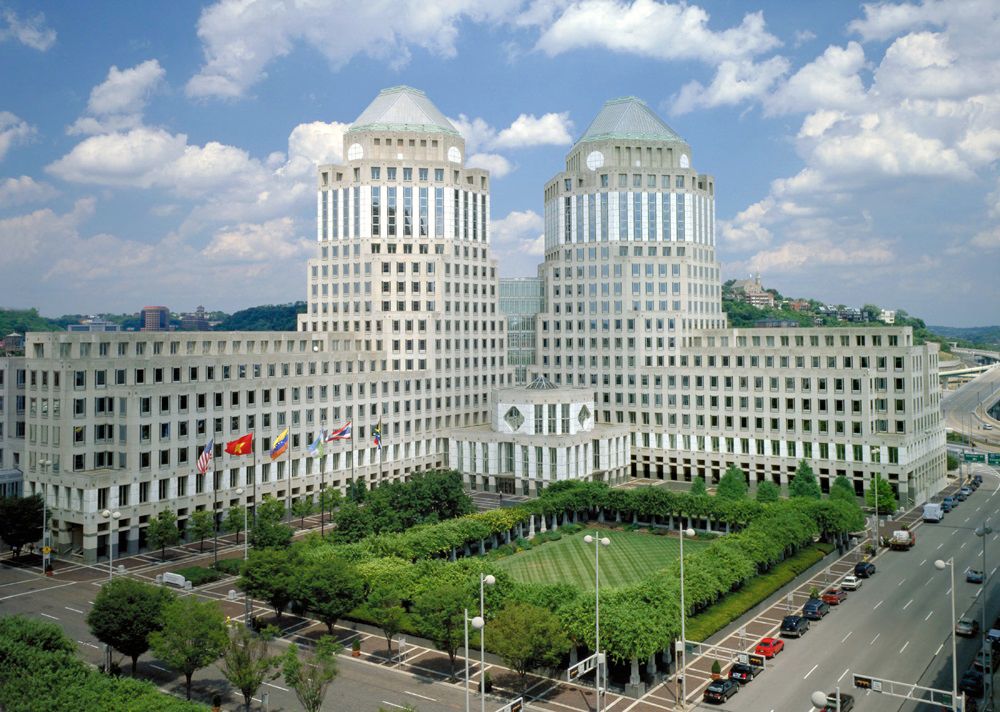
point(199, 575)
point(229, 567)
point(569, 529)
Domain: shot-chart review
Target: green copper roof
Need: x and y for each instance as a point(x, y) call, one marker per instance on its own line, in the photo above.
point(403, 109)
point(628, 118)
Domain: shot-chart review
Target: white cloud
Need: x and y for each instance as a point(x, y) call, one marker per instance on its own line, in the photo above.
point(117, 103)
point(519, 233)
point(735, 81)
point(528, 130)
point(803, 36)
point(247, 242)
point(884, 20)
point(25, 237)
point(830, 81)
point(793, 256)
point(748, 229)
point(134, 158)
point(654, 29)
point(241, 37)
point(12, 131)
point(29, 31)
point(497, 165)
point(18, 191)
point(988, 239)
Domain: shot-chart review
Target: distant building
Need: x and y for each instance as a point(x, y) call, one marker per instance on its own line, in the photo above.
point(751, 292)
point(154, 319)
point(196, 321)
point(94, 324)
point(887, 316)
point(775, 323)
point(13, 342)
point(799, 305)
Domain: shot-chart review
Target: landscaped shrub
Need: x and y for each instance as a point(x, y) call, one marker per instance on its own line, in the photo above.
point(199, 575)
point(229, 567)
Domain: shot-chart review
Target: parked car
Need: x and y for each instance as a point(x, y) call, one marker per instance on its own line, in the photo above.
point(972, 683)
point(815, 609)
point(846, 703)
point(794, 626)
point(984, 657)
point(769, 647)
point(834, 596)
point(966, 490)
point(960, 496)
point(977, 479)
point(967, 627)
point(864, 569)
point(743, 673)
point(974, 576)
point(721, 690)
point(850, 583)
point(949, 503)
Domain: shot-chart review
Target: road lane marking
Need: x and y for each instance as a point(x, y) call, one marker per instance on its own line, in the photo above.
point(48, 616)
point(948, 592)
point(923, 562)
point(907, 604)
point(968, 518)
point(401, 707)
point(811, 671)
point(929, 615)
point(877, 605)
point(423, 697)
point(963, 545)
point(904, 646)
point(277, 687)
point(874, 639)
point(42, 590)
point(993, 571)
point(846, 637)
point(938, 650)
point(928, 581)
point(846, 670)
point(940, 545)
point(901, 582)
point(954, 531)
point(81, 612)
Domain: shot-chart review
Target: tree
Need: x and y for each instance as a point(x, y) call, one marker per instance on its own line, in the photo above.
point(202, 525)
point(235, 519)
point(302, 508)
point(386, 609)
point(270, 574)
point(440, 614)
point(767, 491)
point(247, 662)
point(698, 487)
point(356, 490)
point(527, 637)
point(125, 613)
point(270, 510)
point(310, 677)
point(20, 521)
point(353, 522)
point(842, 490)
point(193, 636)
point(162, 532)
point(733, 484)
point(330, 589)
point(886, 497)
point(804, 483)
point(268, 530)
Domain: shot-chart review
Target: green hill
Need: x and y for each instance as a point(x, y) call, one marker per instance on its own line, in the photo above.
point(25, 320)
point(268, 317)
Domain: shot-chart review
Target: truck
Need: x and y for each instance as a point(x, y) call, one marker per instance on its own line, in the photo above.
point(902, 540)
point(933, 512)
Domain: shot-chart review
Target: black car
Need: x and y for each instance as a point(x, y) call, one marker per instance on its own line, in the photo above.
point(721, 690)
point(864, 569)
point(815, 609)
point(972, 683)
point(794, 626)
point(742, 673)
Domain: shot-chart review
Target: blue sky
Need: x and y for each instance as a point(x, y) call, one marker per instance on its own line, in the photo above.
point(164, 154)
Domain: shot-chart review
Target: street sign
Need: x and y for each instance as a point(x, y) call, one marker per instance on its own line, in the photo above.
point(865, 683)
point(974, 456)
point(993, 458)
point(513, 706)
point(46, 549)
point(756, 660)
point(743, 659)
point(583, 667)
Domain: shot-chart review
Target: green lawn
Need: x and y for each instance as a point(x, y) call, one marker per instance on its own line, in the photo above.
point(631, 557)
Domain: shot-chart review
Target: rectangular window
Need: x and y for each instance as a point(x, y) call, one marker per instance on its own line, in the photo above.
point(623, 216)
point(439, 212)
point(390, 219)
point(423, 208)
point(604, 217)
point(407, 210)
point(376, 210)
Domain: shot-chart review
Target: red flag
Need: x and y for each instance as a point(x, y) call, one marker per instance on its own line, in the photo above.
point(241, 446)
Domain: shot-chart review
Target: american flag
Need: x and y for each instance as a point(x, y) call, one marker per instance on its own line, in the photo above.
point(205, 459)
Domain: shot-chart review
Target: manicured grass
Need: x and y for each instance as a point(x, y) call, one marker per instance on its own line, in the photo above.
point(630, 557)
point(733, 605)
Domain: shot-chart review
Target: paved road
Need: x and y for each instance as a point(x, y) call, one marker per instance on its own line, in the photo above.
point(896, 627)
point(960, 406)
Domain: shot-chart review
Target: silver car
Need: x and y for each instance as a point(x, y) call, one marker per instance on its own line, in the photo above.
point(850, 583)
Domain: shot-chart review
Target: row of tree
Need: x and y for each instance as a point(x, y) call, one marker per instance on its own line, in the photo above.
point(188, 633)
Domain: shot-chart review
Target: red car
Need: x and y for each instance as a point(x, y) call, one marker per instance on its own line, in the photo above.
point(834, 596)
point(769, 647)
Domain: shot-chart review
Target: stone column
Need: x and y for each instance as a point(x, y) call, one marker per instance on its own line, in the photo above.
point(482, 547)
point(531, 526)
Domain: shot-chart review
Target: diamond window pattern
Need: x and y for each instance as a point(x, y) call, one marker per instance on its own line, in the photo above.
point(584, 415)
point(514, 418)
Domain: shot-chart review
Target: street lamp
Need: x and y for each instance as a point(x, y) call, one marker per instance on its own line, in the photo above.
point(819, 699)
point(44, 464)
point(247, 601)
point(598, 542)
point(689, 532)
point(478, 624)
point(983, 531)
point(484, 580)
point(113, 520)
point(940, 565)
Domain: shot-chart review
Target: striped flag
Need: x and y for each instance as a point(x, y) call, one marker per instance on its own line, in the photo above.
point(316, 448)
point(205, 459)
point(343, 433)
point(377, 434)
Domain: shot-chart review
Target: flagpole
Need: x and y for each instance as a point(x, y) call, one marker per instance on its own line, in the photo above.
point(288, 490)
point(215, 509)
point(322, 481)
point(353, 456)
point(253, 474)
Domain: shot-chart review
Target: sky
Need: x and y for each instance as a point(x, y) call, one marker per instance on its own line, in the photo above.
point(166, 153)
